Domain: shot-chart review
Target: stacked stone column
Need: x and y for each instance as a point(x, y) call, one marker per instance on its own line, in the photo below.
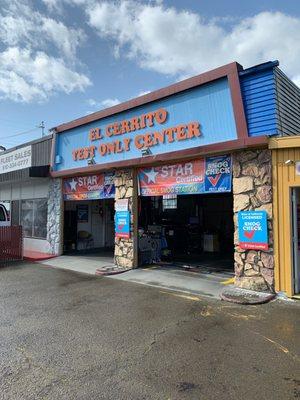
point(126, 249)
point(54, 223)
point(252, 190)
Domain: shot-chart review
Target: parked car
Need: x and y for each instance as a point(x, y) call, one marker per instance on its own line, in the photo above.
point(4, 215)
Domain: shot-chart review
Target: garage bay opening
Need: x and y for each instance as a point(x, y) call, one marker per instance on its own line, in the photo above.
point(89, 215)
point(186, 215)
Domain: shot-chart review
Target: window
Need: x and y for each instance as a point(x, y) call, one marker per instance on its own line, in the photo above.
point(169, 201)
point(15, 212)
point(34, 218)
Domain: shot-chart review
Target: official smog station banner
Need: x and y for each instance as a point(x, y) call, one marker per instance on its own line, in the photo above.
point(91, 187)
point(206, 175)
point(253, 230)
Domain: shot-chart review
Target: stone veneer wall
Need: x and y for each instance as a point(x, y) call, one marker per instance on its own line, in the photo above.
point(55, 209)
point(252, 190)
point(124, 248)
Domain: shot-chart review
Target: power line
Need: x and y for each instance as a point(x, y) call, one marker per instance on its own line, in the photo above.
point(23, 133)
point(13, 143)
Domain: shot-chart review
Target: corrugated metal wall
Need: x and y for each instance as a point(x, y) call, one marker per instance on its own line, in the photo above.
point(288, 104)
point(271, 101)
point(20, 175)
point(259, 97)
point(284, 178)
point(41, 152)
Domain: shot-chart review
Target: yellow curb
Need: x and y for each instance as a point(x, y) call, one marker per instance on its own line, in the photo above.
point(228, 281)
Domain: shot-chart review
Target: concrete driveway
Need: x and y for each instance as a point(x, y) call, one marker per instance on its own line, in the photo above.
point(65, 335)
point(177, 279)
point(207, 283)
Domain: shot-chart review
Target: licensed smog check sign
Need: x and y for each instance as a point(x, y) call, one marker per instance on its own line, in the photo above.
point(253, 230)
point(122, 224)
point(16, 160)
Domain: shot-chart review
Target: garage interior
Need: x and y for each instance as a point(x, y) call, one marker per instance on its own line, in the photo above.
point(195, 231)
point(89, 227)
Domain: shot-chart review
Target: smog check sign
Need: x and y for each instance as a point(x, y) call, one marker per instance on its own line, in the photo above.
point(253, 230)
point(122, 224)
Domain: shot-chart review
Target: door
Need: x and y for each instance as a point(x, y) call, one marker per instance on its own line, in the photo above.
point(109, 223)
point(70, 230)
point(296, 238)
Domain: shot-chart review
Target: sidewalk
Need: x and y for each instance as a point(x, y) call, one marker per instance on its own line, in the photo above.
point(177, 279)
point(84, 264)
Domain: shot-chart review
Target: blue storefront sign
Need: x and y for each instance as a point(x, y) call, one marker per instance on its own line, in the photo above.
point(197, 117)
point(253, 230)
point(122, 224)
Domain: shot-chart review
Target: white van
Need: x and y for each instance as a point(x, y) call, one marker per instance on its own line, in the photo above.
point(5, 214)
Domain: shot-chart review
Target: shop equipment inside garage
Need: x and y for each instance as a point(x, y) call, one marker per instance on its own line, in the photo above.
point(194, 231)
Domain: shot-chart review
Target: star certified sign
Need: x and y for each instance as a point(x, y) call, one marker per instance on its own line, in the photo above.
point(73, 184)
point(151, 175)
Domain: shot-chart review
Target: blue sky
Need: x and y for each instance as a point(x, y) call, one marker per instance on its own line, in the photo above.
point(62, 59)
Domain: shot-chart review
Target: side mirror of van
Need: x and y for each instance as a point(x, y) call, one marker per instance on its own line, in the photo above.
point(4, 216)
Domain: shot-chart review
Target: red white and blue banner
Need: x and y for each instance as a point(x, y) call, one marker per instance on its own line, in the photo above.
point(91, 187)
point(206, 175)
point(253, 230)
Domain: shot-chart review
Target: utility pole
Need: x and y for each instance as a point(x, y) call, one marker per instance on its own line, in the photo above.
point(42, 127)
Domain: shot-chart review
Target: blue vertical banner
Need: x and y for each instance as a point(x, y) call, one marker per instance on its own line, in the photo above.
point(122, 224)
point(253, 230)
point(218, 176)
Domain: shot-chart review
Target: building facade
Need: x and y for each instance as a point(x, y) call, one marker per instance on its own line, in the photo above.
point(191, 170)
point(286, 199)
point(183, 174)
point(31, 197)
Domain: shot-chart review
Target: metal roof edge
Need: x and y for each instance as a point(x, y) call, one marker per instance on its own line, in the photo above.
point(197, 80)
point(259, 67)
point(19, 146)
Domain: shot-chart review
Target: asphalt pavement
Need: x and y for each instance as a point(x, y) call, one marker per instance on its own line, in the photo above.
point(65, 335)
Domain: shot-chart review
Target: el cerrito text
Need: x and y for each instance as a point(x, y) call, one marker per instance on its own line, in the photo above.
point(120, 143)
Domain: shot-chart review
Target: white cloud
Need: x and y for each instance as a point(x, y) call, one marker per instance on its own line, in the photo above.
point(110, 102)
point(143, 92)
point(22, 26)
point(93, 103)
point(67, 40)
point(26, 77)
point(27, 71)
point(106, 103)
point(103, 103)
point(180, 42)
point(53, 5)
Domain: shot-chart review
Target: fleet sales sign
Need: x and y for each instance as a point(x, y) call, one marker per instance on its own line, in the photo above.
point(15, 160)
